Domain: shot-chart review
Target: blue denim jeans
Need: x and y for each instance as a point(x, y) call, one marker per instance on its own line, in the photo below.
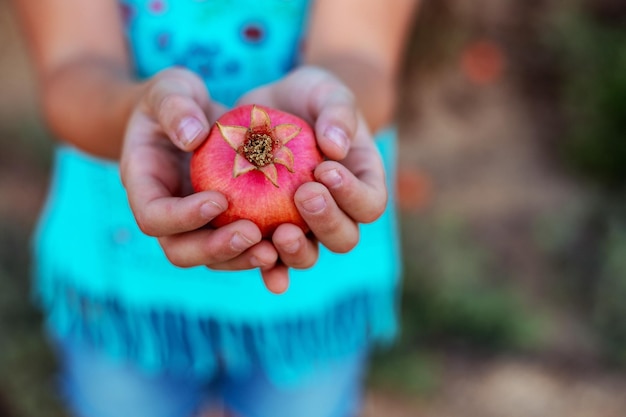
point(94, 385)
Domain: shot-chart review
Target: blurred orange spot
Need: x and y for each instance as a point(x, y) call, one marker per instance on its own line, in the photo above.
point(483, 62)
point(414, 189)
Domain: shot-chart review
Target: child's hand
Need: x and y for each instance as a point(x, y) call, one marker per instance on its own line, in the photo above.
point(169, 122)
point(351, 185)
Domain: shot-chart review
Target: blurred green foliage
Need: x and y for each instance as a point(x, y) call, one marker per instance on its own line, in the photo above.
point(26, 361)
point(457, 292)
point(456, 297)
point(593, 84)
point(610, 306)
point(590, 39)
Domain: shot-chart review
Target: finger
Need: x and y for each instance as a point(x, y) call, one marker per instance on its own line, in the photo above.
point(178, 101)
point(151, 197)
point(319, 98)
point(335, 115)
point(361, 194)
point(276, 278)
point(323, 100)
point(174, 215)
point(210, 246)
point(152, 181)
point(330, 225)
point(294, 249)
point(358, 184)
point(262, 255)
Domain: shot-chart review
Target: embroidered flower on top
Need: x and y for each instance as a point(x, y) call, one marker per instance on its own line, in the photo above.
point(254, 33)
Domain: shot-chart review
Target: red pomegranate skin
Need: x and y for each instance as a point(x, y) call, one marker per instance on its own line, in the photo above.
point(257, 157)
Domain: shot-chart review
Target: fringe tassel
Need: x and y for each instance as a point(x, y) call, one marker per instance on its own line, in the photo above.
point(168, 340)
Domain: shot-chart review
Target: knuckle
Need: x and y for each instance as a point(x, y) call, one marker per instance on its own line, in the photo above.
point(308, 263)
point(177, 73)
point(330, 225)
point(187, 75)
point(347, 243)
point(214, 252)
point(338, 234)
point(187, 81)
point(175, 259)
point(377, 210)
point(332, 92)
point(172, 103)
point(304, 260)
point(169, 210)
point(145, 224)
point(323, 91)
point(346, 97)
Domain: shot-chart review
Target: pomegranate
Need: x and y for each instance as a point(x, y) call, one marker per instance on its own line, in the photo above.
point(257, 157)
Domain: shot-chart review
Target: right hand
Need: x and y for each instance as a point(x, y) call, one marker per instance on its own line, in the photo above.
point(170, 120)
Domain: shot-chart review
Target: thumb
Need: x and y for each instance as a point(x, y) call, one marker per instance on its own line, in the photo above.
point(178, 102)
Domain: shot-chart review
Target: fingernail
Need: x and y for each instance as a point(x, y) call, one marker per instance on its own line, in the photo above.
point(188, 130)
point(292, 247)
point(332, 178)
point(239, 242)
point(210, 209)
point(255, 262)
point(337, 136)
point(314, 205)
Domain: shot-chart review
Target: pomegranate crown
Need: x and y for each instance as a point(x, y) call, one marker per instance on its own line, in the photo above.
point(260, 146)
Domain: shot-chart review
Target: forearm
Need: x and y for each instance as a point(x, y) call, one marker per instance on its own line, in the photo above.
point(87, 103)
point(79, 53)
point(362, 42)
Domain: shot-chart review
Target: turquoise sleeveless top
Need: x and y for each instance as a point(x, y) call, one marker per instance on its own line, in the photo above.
point(101, 281)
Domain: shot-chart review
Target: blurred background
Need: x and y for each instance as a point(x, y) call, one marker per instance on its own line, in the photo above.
point(513, 165)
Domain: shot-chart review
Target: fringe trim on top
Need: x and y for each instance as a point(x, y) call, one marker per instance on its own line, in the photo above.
point(166, 340)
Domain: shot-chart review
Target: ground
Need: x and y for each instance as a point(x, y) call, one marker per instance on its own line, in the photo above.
point(483, 198)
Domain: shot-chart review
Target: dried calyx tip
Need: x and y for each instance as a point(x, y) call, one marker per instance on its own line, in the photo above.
point(260, 145)
point(258, 149)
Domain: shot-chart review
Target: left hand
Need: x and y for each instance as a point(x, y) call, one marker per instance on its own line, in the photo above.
point(350, 187)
